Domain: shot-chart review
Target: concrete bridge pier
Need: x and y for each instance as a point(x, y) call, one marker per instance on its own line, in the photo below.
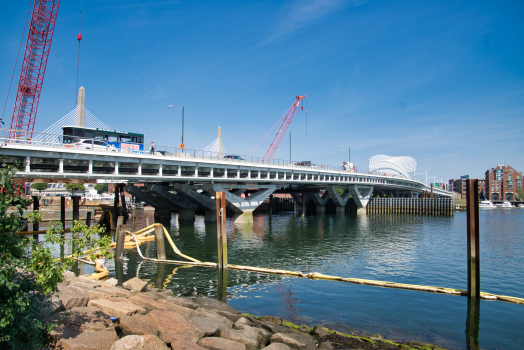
point(201, 200)
point(361, 196)
point(319, 201)
point(244, 207)
point(339, 200)
point(162, 207)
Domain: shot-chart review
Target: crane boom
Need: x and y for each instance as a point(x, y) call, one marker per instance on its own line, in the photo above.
point(37, 47)
point(282, 130)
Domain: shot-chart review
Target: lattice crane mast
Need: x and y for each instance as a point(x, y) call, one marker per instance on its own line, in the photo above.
point(37, 47)
point(282, 130)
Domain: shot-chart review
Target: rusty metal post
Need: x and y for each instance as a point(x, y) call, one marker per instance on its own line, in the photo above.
point(472, 207)
point(36, 207)
point(88, 219)
point(431, 195)
point(160, 245)
point(62, 211)
point(120, 238)
point(76, 207)
point(221, 229)
point(270, 206)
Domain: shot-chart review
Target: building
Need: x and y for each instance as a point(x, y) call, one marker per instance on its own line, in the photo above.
point(459, 186)
point(502, 183)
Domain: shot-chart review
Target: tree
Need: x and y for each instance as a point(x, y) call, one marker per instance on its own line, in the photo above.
point(39, 186)
point(101, 188)
point(28, 270)
point(520, 193)
point(74, 187)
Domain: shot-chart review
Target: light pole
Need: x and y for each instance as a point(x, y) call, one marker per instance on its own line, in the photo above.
point(349, 152)
point(170, 106)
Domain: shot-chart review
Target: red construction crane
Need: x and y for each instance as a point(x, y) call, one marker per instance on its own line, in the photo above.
point(37, 47)
point(282, 130)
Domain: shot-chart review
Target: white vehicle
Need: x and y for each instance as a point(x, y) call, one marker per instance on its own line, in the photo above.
point(94, 144)
point(486, 204)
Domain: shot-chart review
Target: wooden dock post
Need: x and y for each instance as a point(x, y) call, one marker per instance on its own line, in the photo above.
point(62, 211)
point(160, 246)
point(159, 278)
point(221, 229)
point(472, 208)
point(303, 205)
point(133, 223)
point(88, 219)
point(222, 285)
point(115, 204)
point(36, 206)
point(120, 238)
point(123, 202)
point(148, 221)
point(76, 207)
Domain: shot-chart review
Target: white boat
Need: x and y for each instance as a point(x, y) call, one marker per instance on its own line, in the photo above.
point(486, 204)
point(505, 204)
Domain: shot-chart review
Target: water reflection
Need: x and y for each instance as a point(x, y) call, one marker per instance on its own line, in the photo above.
point(473, 324)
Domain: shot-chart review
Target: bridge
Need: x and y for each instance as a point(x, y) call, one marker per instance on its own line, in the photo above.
point(195, 176)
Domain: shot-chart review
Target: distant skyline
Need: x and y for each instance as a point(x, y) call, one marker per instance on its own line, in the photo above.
point(442, 82)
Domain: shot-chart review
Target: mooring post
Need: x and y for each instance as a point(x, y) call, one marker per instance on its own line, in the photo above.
point(148, 222)
point(76, 207)
point(222, 285)
point(88, 219)
point(115, 204)
point(159, 280)
point(120, 238)
point(119, 221)
point(431, 195)
point(62, 211)
point(133, 223)
point(221, 229)
point(303, 205)
point(123, 201)
point(472, 208)
point(160, 246)
point(270, 206)
point(36, 207)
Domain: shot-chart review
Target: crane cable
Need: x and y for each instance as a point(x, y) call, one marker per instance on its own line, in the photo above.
point(16, 61)
point(79, 37)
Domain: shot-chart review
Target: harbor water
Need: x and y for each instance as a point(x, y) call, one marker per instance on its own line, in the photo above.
point(409, 249)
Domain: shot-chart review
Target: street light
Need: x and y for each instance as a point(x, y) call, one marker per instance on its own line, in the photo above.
point(170, 106)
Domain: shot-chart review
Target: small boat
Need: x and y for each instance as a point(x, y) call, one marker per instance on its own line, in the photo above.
point(486, 204)
point(505, 204)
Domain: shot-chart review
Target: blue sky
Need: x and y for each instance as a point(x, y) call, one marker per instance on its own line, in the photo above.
point(442, 81)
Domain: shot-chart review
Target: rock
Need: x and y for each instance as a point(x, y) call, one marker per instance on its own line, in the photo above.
point(184, 302)
point(184, 311)
point(135, 285)
point(113, 282)
point(304, 329)
point(154, 295)
point(179, 342)
point(68, 276)
point(233, 317)
point(244, 336)
point(137, 342)
point(243, 322)
point(96, 294)
point(50, 306)
point(138, 325)
point(61, 331)
point(98, 340)
point(215, 305)
point(147, 302)
point(375, 337)
point(209, 327)
point(403, 347)
point(214, 343)
point(82, 285)
point(165, 292)
point(170, 323)
point(272, 319)
point(277, 346)
point(116, 292)
point(117, 308)
point(273, 328)
point(319, 331)
point(294, 341)
point(325, 345)
point(73, 298)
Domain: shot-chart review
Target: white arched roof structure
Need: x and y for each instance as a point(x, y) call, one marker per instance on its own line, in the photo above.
point(393, 166)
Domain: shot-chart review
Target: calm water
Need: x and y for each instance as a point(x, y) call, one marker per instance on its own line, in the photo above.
point(417, 250)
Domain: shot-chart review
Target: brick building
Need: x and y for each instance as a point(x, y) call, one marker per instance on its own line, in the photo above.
point(502, 183)
point(459, 186)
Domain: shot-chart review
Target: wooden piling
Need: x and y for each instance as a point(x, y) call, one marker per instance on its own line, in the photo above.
point(88, 219)
point(472, 209)
point(120, 238)
point(76, 207)
point(160, 244)
point(115, 204)
point(133, 224)
point(221, 229)
point(62, 211)
point(120, 221)
point(303, 205)
point(36, 207)
point(123, 202)
point(148, 221)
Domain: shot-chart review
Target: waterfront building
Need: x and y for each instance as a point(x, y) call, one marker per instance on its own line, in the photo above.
point(459, 186)
point(502, 183)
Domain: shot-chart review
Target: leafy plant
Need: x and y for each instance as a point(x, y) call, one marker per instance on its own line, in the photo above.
point(39, 186)
point(101, 188)
point(28, 270)
point(75, 187)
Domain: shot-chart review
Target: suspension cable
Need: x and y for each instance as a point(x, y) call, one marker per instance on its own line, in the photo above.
point(79, 37)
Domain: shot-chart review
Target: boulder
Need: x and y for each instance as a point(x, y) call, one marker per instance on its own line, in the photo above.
point(73, 298)
point(245, 336)
point(165, 292)
point(116, 307)
point(209, 327)
point(325, 345)
point(113, 282)
point(116, 292)
point(136, 285)
point(273, 328)
point(97, 340)
point(319, 332)
point(184, 311)
point(170, 323)
point(233, 317)
point(50, 306)
point(138, 325)
point(82, 284)
point(137, 342)
point(179, 342)
point(243, 322)
point(214, 343)
point(214, 305)
point(274, 320)
point(184, 302)
point(68, 276)
point(294, 341)
point(277, 346)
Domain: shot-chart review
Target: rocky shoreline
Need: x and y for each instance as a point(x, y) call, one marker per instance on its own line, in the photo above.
point(95, 315)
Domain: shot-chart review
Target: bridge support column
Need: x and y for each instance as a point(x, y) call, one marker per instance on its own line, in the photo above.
point(414, 194)
point(186, 216)
point(321, 209)
point(210, 216)
point(200, 200)
point(339, 200)
point(361, 196)
point(162, 215)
